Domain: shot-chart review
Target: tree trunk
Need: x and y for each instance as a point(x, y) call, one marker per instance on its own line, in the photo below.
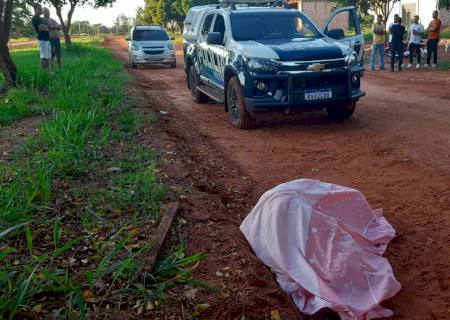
point(66, 26)
point(8, 66)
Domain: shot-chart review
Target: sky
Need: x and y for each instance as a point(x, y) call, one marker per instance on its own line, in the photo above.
point(105, 16)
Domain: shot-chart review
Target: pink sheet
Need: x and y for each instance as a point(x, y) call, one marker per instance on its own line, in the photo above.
point(325, 245)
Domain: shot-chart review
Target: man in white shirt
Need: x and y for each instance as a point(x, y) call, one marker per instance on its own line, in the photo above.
point(415, 34)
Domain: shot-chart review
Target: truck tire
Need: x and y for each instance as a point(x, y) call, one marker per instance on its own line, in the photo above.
point(342, 111)
point(239, 116)
point(173, 65)
point(197, 96)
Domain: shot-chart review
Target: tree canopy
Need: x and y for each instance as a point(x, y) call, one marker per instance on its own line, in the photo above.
point(383, 7)
point(163, 12)
point(66, 23)
point(444, 4)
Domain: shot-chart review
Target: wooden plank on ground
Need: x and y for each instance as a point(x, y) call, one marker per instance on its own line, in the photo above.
point(151, 254)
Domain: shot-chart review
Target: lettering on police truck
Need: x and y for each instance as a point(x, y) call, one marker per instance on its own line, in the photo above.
point(213, 59)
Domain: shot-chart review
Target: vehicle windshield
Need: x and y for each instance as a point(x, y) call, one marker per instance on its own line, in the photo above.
point(271, 25)
point(150, 35)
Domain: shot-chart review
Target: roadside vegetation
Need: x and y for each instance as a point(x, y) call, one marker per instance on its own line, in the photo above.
point(80, 200)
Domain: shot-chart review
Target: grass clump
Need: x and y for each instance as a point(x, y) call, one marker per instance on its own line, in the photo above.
point(78, 199)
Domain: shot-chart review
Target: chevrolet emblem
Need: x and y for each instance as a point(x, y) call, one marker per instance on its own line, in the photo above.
point(316, 67)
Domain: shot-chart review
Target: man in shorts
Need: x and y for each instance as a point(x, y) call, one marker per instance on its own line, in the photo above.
point(43, 36)
point(54, 29)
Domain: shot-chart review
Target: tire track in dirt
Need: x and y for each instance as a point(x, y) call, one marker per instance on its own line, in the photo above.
point(396, 150)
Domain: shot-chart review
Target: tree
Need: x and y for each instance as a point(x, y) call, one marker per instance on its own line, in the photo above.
point(444, 4)
point(122, 24)
point(170, 12)
point(66, 24)
point(7, 65)
point(141, 18)
point(21, 20)
point(383, 7)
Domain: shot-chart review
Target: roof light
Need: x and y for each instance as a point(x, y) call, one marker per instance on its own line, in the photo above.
point(254, 3)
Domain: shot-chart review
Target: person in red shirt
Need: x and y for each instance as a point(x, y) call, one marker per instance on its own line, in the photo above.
point(434, 30)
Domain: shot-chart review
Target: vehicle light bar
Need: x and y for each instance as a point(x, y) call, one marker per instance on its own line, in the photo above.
point(256, 3)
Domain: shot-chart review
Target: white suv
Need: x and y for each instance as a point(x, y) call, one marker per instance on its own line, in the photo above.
point(150, 45)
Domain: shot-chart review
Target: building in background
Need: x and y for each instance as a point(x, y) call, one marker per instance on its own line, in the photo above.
point(407, 9)
point(318, 11)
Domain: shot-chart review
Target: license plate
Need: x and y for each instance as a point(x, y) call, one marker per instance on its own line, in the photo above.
point(318, 94)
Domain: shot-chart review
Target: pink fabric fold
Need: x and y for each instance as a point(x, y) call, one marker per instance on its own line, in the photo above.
point(325, 245)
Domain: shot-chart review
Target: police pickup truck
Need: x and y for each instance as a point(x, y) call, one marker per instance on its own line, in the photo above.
point(257, 56)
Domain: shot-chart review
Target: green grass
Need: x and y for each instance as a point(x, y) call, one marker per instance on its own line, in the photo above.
point(23, 39)
point(50, 214)
point(444, 65)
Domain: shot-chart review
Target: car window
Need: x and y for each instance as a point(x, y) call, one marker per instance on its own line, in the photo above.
point(344, 21)
point(207, 24)
point(150, 35)
point(219, 26)
point(273, 25)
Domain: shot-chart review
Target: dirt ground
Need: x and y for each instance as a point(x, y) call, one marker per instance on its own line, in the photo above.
point(396, 150)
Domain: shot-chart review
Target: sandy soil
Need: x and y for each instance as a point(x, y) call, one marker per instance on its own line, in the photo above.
point(396, 150)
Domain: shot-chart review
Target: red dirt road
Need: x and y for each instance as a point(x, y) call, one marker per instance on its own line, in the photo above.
point(396, 150)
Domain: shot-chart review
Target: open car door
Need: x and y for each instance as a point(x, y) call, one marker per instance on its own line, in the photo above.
point(343, 25)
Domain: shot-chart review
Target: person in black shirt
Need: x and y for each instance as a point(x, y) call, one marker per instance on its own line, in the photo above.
point(43, 37)
point(397, 31)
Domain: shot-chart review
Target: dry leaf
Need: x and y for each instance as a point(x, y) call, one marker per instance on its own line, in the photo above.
point(191, 293)
point(140, 310)
point(219, 274)
point(135, 232)
point(275, 315)
point(37, 308)
point(150, 305)
point(137, 305)
point(135, 246)
point(87, 294)
point(202, 306)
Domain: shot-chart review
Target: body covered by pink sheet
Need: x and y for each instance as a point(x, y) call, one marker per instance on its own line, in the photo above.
point(325, 245)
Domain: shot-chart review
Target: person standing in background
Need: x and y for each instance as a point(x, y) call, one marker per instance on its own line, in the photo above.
point(434, 30)
point(54, 29)
point(415, 34)
point(396, 16)
point(379, 39)
point(43, 36)
point(397, 30)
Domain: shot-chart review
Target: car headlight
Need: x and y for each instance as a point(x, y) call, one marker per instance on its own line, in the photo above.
point(134, 47)
point(170, 46)
point(351, 59)
point(262, 64)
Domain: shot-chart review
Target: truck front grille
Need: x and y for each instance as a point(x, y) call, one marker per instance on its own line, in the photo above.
point(321, 81)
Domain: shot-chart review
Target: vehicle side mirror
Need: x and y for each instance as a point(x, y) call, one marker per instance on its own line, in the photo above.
point(172, 38)
point(127, 38)
point(214, 38)
point(337, 34)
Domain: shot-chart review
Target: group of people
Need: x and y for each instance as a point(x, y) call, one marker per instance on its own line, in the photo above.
point(48, 34)
point(415, 35)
